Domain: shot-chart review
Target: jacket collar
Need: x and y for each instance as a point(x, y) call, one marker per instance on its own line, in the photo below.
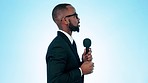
point(68, 36)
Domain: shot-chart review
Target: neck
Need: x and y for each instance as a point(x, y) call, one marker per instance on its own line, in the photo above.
point(70, 33)
point(67, 30)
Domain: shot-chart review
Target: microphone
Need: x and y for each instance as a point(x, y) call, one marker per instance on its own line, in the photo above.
point(87, 44)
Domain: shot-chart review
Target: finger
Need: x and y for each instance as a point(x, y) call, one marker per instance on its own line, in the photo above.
point(90, 50)
point(84, 52)
point(89, 57)
point(92, 64)
point(92, 69)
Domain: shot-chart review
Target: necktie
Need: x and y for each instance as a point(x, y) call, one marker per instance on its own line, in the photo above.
point(75, 50)
point(74, 46)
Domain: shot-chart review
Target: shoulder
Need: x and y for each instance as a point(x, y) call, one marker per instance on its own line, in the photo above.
point(58, 42)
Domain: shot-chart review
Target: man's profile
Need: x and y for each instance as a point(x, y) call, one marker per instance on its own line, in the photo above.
point(63, 62)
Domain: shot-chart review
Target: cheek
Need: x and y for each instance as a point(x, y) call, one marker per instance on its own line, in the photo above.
point(72, 22)
point(75, 22)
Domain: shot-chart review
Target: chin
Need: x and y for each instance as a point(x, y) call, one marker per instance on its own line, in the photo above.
point(78, 25)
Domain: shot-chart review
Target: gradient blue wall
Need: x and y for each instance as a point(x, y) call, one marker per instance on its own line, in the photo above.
point(118, 30)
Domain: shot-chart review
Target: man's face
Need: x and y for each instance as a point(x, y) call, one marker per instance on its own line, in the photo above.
point(73, 19)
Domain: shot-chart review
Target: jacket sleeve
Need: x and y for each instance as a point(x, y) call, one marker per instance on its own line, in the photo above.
point(56, 63)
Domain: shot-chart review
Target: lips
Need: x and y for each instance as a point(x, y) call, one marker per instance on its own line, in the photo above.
point(78, 24)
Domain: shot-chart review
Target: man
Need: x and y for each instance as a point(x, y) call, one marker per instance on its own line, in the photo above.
point(63, 63)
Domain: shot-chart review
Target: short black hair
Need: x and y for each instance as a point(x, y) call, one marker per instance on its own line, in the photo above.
point(59, 7)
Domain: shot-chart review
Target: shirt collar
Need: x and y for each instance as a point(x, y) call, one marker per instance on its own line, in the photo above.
point(68, 36)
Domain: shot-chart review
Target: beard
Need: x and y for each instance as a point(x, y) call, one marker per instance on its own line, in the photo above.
point(73, 28)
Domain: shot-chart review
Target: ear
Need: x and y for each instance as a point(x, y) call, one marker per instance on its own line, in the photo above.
point(66, 21)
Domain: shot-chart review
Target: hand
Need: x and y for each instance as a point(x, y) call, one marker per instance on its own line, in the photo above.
point(88, 56)
point(87, 67)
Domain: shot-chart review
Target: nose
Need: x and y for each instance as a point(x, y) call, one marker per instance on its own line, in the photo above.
point(77, 17)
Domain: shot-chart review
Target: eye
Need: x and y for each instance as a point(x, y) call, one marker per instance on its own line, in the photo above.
point(76, 15)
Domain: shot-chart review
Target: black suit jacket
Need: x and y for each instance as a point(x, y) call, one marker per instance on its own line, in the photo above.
point(63, 61)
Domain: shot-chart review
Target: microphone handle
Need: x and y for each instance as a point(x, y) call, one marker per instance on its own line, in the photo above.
point(87, 50)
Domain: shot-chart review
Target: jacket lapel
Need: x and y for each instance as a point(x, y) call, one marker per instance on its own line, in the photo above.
point(69, 43)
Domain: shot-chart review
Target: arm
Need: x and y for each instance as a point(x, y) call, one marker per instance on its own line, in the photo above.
point(56, 63)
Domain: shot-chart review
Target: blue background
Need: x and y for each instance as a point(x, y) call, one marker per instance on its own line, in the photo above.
point(118, 30)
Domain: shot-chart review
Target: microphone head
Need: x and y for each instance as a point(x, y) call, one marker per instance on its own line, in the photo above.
point(87, 42)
